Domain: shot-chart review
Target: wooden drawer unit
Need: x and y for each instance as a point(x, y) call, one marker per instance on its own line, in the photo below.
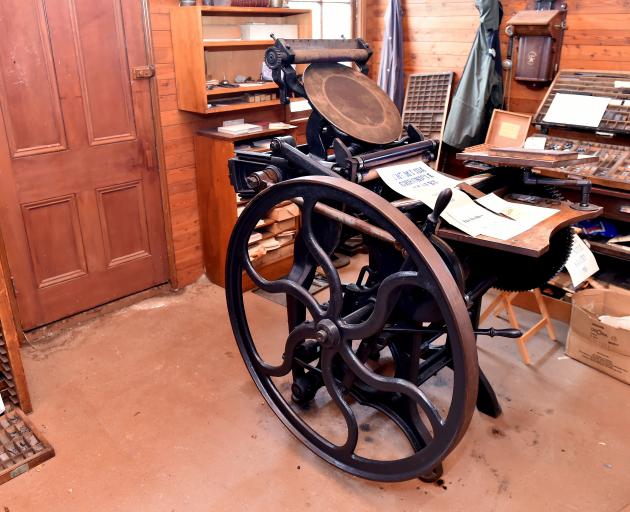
point(218, 205)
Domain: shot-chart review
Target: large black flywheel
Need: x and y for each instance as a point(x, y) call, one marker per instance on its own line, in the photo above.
point(378, 374)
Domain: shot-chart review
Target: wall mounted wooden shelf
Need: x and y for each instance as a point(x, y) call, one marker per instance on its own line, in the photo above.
point(241, 106)
point(235, 45)
point(202, 51)
point(241, 90)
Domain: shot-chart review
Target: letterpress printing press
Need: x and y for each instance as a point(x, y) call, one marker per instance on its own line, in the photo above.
point(406, 324)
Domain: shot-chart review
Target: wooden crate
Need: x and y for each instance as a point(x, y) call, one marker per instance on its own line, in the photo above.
point(506, 129)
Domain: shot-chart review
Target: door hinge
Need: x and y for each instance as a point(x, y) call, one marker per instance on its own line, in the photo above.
point(142, 72)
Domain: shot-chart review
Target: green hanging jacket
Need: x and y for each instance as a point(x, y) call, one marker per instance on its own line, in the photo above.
point(480, 88)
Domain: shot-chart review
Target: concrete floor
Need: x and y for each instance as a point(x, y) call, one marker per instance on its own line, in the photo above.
point(151, 409)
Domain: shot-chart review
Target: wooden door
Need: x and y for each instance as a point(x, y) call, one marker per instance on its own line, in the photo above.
point(80, 196)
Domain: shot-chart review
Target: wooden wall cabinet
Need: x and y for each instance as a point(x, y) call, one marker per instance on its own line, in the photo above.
point(201, 52)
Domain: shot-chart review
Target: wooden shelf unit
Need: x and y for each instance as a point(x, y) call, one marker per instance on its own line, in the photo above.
point(199, 57)
point(230, 45)
point(219, 92)
point(218, 203)
point(241, 106)
point(13, 386)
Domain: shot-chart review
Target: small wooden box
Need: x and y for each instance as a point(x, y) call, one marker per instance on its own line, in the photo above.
point(506, 129)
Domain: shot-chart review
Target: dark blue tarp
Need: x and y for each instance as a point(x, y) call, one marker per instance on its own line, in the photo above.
point(391, 75)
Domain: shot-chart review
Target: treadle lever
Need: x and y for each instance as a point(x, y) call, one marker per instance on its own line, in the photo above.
point(503, 333)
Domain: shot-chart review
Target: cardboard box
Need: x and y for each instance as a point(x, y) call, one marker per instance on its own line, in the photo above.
point(594, 343)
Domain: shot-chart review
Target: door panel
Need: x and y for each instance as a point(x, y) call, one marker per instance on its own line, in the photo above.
point(80, 204)
point(57, 255)
point(25, 89)
point(128, 240)
point(103, 73)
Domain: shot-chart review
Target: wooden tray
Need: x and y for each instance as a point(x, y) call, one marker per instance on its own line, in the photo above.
point(426, 102)
point(549, 155)
point(616, 119)
point(22, 447)
point(612, 170)
point(512, 161)
point(7, 384)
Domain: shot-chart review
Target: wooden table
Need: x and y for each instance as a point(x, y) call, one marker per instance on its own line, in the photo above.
point(533, 242)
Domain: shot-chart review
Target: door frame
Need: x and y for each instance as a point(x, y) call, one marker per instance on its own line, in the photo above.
point(158, 148)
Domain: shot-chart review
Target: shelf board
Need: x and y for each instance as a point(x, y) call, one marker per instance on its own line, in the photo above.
point(250, 11)
point(237, 45)
point(241, 106)
point(241, 90)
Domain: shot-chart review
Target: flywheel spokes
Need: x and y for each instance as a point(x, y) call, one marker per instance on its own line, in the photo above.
point(361, 350)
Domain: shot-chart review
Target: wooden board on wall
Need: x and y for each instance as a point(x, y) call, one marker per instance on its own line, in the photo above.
point(438, 35)
point(178, 158)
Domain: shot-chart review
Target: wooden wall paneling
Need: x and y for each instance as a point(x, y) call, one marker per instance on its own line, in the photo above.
point(160, 21)
point(176, 150)
point(175, 145)
point(438, 35)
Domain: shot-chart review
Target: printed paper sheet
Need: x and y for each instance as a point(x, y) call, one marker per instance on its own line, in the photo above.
point(577, 110)
point(581, 263)
point(416, 180)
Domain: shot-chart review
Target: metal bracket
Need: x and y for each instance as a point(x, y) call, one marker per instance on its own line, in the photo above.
point(142, 72)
